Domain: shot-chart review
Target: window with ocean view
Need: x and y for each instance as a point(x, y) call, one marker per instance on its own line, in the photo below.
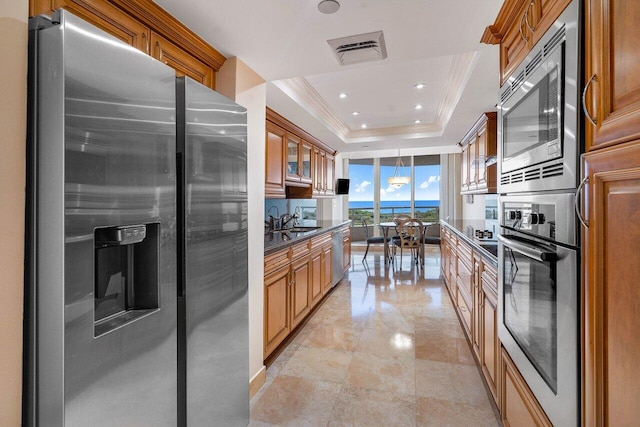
point(420, 198)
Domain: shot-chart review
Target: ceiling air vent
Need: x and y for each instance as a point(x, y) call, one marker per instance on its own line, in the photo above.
point(360, 48)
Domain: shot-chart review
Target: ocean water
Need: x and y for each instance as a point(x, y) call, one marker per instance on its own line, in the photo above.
point(399, 205)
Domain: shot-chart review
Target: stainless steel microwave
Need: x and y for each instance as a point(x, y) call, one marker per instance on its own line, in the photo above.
point(538, 114)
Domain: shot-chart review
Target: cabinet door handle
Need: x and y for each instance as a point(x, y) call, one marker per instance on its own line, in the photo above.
point(525, 38)
point(526, 17)
point(146, 43)
point(576, 202)
point(593, 120)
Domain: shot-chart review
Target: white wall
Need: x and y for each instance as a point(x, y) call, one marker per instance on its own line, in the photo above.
point(13, 90)
point(238, 82)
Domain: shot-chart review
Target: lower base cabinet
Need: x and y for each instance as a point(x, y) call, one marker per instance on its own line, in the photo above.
point(488, 333)
point(518, 406)
point(296, 279)
point(277, 323)
point(300, 295)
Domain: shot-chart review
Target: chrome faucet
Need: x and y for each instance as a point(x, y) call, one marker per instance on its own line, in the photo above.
point(286, 219)
point(273, 221)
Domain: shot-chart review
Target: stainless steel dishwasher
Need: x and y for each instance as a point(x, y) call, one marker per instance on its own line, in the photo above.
point(336, 247)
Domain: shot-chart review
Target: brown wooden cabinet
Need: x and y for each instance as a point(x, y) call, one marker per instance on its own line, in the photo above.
point(488, 328)
point(518, 406)
point(329, 175)
point(184, 63)
point(612, 72)
point(146, 26)
point(274, 162)
point(300, 292)
point(295, 281)
point(472, 284)
point(518, 27)
point(277, 320)
point(610, 299)
point(479, 150)
point(611, 273)
point(315, 291)
point(327, 265)
point(307, 166)
point(299, 162)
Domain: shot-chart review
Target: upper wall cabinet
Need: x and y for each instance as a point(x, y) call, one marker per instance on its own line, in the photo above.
point(612, 73)
point(149, 28)
point(297, 165)
point(479, 156)
point(274, 162)
point(518, 27)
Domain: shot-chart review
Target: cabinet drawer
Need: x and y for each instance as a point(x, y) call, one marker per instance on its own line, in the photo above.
point(300, 249)
point(276, 260)
point(320, 240)
point(489, 279)
point(465, 279)
point(464, 252)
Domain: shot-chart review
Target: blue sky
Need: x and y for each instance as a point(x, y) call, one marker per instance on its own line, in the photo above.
point(361, 187)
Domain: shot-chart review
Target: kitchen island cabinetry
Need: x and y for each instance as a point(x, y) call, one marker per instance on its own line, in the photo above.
point(149, 28)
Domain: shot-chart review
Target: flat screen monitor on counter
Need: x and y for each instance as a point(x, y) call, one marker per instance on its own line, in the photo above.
point(342, 186)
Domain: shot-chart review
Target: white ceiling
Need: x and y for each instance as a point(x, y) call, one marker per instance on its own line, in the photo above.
point(435, 42)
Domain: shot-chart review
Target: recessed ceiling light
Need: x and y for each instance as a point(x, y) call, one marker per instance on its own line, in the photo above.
point(418, 107)
point(328, 6)
point(343, 95)
point(419, 85)
point(417, 121)
point(363, 126)
point(355, 113)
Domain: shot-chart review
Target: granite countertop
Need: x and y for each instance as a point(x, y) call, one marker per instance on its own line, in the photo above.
point(465, 228)
point(281, 240)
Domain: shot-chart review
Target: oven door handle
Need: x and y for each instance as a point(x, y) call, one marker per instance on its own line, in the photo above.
point(532, 251)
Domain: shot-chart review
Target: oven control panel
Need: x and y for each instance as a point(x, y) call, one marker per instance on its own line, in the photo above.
point(533, 218)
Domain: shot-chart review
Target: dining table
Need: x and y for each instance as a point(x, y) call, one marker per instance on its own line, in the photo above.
point(385, 226)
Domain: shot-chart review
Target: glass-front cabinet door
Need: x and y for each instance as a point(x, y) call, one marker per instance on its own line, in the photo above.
point(305, 161)
point(293, 158)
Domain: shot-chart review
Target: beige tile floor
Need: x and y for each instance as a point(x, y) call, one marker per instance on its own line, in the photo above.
point(384, 349)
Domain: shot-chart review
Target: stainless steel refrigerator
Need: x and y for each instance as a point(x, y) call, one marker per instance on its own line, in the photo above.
point(132, 314)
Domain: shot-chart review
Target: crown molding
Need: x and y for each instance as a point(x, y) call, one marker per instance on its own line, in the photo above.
point(460, 71)
point(301, 91)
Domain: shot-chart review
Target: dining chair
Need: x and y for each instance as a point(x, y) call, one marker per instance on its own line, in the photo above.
point(375, 240)
point(411, 232)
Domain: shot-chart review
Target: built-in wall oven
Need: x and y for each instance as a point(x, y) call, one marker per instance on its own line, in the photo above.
point(538, 114)
point(538, 298)
point(538, 249)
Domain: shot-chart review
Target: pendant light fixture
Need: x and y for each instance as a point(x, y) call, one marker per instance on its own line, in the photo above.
point(397, 180)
